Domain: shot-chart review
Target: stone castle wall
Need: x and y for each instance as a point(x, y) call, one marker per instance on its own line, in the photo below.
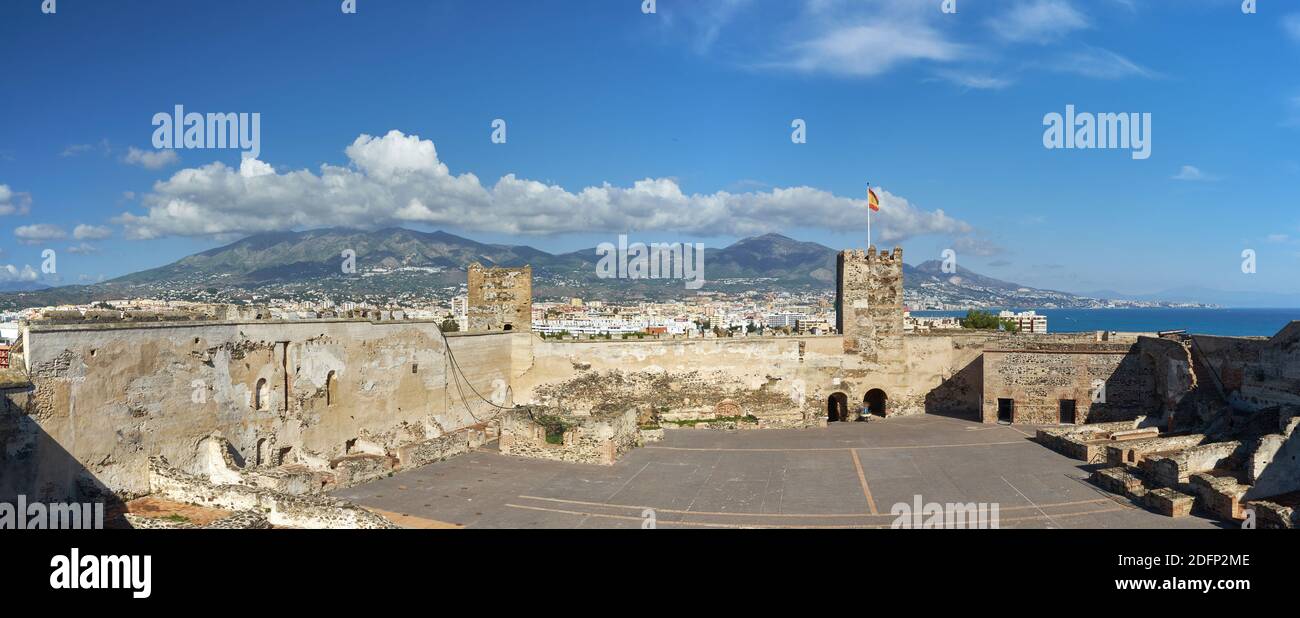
point(1254, 373)
point(105, 398)
point(1107, 382)
point(784, 381)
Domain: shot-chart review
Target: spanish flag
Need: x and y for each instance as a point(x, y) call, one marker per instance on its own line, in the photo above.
point(873, 202)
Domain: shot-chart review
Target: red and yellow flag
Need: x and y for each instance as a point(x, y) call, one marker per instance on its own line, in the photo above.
point(873, 202)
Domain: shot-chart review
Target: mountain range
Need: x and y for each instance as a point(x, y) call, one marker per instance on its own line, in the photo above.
point(397, 264)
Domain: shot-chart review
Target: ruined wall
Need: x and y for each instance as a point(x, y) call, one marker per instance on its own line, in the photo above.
point(779, 380)
point(869, 302)
point(597, 439)
point(500, 298)
point(1255, 373)
point(1108, 382)
point(107, 397)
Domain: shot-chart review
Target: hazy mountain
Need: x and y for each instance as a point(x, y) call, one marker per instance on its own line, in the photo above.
point(408, 265)
point(1225, 298)
point(21, 286)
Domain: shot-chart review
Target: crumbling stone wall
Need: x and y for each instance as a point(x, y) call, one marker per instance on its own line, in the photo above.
point(599, 438)
point(280, 509)
point(783, 381)
point(1273, 468)
point(1255, 373)
point(500, 298)
point(108, 396)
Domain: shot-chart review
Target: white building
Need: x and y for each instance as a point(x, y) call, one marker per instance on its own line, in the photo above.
point(1028, 321)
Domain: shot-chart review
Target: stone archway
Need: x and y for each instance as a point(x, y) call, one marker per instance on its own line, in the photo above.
point(837, 407)
point(876, 402)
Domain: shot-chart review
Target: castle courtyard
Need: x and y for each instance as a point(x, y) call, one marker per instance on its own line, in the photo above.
point(846, 475)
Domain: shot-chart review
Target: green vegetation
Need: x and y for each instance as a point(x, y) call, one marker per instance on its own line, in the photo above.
point(449, 325)
point(985, 320)
point(555, 428)
point(176, 519)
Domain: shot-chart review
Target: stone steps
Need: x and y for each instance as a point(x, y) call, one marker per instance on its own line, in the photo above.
point(1129, 483)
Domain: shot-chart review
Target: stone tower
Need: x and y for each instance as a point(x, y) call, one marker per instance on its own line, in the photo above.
point(869, 302)
point(500, 298)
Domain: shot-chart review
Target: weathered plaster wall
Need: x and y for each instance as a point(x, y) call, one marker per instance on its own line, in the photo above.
point(110, 396)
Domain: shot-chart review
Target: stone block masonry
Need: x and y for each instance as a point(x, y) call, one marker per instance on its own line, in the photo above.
point(500, 298)
point(596, 439)
point(869, 302)
point(1044, 383)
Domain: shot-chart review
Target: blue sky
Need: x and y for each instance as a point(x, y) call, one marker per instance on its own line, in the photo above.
point(671, 126)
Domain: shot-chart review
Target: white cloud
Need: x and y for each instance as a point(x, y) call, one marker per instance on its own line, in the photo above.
point(398, 179)
point(1193, 174)
point(869, 49)
point(151, 159)
point(977, 244)
point(703, 22)
point(39, 232)
point(83, 249)
point(9, 272)
point(869, 38)
point(1038, 21)
point(78, 149)
point(1275, 238)
point(14, 203)
point(91, 232)
point(975, 81)
point(1099, 64)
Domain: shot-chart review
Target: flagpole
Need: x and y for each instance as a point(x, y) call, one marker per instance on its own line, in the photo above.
point(868, 216)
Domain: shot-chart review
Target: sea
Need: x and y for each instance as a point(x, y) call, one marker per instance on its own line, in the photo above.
point(1230, 322)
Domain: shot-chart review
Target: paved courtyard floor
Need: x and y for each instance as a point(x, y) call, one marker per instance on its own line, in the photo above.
point(843, 476)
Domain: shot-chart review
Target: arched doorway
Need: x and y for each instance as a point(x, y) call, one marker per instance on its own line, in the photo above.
point(876, 401)
point(837, 407)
